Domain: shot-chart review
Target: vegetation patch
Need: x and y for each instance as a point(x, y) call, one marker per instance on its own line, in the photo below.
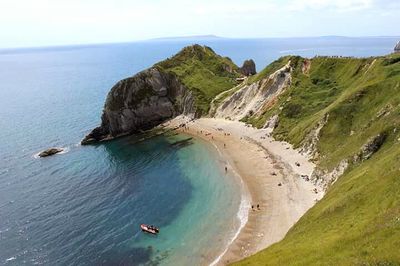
point(202, 71)
point(358, 220)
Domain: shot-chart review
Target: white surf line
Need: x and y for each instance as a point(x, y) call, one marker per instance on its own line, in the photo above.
point(242, 214)
point(10, 259)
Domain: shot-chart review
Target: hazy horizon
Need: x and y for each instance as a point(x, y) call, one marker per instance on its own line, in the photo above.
point(27, 23)
point(189, 37)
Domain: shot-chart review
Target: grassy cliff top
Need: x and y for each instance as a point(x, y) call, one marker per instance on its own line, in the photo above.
point(202, 71)
point(358, 220)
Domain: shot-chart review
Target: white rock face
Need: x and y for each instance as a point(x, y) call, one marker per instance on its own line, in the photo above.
point(397, 48)
point(251, 99)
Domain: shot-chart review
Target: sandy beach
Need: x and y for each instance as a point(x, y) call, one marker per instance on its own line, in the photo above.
point(274, 175)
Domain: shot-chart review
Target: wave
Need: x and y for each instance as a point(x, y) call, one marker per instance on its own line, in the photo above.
point(10, 259)
point(242, 215)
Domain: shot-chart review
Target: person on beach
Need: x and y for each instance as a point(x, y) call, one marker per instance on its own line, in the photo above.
point(224, 145)
point(258, 206)
point(226, 169)
point(252, 207)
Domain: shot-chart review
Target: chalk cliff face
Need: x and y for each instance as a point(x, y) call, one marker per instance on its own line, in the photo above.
point(397, 48)
point(142, 102)
point(253, 98)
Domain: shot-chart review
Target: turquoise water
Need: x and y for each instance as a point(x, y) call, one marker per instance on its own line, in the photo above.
point(84, 207)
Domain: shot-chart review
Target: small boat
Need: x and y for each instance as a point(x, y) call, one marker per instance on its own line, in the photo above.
point(149, 229)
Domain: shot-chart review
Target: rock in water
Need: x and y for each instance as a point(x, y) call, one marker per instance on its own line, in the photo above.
point(142, 102)
point(248, 68)
point(50, 152)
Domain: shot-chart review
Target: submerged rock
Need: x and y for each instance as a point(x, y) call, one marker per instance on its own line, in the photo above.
point(140, 103)
point(50, 151)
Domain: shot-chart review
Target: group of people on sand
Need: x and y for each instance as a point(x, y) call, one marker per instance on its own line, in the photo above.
point(253, 207)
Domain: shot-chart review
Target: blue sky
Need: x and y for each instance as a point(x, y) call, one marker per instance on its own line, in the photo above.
point(57, 22)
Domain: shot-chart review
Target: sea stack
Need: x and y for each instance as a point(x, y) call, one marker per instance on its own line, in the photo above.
point(397, 48)
point(248, 68)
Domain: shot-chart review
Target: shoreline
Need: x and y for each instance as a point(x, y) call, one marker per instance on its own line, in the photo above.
point(270, 173)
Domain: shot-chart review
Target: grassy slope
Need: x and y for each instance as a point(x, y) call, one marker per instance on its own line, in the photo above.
point(202, 71)
point(358, 221)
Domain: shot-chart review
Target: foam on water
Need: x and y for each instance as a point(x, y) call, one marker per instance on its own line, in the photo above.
point(242, 215)
point(10, 259)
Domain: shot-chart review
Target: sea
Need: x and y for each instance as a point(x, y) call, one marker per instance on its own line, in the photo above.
point(85, 205)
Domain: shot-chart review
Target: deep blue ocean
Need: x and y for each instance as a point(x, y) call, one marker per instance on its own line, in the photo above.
point(84, 207)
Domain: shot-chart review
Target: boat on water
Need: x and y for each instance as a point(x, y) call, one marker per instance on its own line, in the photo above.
point(149, 229)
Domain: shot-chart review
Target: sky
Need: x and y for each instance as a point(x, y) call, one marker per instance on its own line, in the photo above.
point(27, 23)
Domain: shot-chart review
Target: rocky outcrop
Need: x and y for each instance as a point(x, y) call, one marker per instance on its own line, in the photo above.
point(310, 142)
point(142, 102)
point(248, 68)
point(272, 122)
point(50, 151)
point(305, 68)
point(397, 48)
point(324, 178)
point(369, 148)
point(252, 99)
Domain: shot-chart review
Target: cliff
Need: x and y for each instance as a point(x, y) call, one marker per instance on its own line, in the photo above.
point(142, 102)
point(345, 113)
point(397, 48)
point(183, 84)
point(251, 99)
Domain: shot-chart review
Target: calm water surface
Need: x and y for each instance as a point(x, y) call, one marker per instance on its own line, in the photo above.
point(84, 207)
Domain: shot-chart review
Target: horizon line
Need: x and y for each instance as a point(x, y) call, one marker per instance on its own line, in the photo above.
point(188, 37)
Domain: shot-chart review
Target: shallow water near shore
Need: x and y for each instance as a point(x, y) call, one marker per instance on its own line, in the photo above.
point(84, 206)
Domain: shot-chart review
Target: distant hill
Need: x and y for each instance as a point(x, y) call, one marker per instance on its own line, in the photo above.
point(192, 37)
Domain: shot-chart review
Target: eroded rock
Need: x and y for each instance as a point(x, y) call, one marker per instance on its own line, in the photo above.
point(254, 98)
point(140, 103)
point(369, 148)
point(50, 151)
point(248, 68)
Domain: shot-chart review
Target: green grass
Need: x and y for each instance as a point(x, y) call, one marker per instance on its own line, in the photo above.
point(271, 68)
point(202, 71)
point(342, 88)
point(358, 221)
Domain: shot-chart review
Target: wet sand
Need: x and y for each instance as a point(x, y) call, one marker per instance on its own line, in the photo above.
point(272, 174)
